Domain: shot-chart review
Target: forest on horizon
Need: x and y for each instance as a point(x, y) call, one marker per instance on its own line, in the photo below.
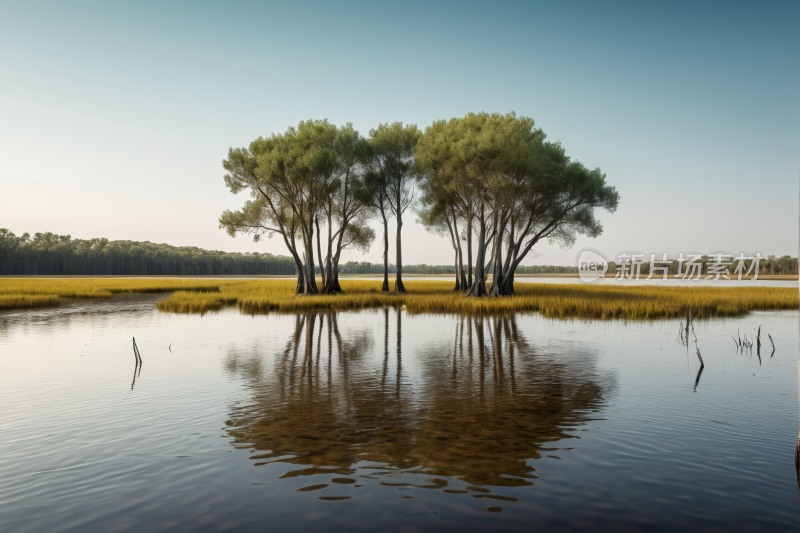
point(52, 254)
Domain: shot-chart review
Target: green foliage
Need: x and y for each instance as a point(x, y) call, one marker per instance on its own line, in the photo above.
point(10, 242)
point(498, 173)
point(299, 180)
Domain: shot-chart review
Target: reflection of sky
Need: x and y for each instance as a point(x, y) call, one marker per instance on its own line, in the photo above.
point(689, 108)
point(657, 450)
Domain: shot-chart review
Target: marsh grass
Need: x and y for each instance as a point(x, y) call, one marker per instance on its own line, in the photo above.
point(27, 301)
point(28, 293)
point(555, 300)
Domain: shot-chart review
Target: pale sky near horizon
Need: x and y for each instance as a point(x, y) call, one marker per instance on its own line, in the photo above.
point(114, 118)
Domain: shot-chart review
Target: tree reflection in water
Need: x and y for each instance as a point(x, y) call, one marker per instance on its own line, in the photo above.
point(478, 407)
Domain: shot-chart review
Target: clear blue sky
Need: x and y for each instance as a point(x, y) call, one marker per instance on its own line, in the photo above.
point(114, 118)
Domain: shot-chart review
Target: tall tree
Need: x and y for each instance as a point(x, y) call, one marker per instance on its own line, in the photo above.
point(556, 199)
point(376, 196)
point(514, 186)
point(437, 215)
point(346, 210)
point(441, 167)
point(393, 169)
point(289, 179)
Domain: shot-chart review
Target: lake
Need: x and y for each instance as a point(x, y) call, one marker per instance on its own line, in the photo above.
point(384, 420)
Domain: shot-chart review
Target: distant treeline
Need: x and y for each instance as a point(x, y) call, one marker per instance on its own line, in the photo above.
point(56, 255)
point(49, 254)
point(353, 267)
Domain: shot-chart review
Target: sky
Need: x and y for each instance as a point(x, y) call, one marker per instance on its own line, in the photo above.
point(115, 117)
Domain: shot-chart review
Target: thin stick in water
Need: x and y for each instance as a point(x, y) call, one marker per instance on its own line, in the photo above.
point(136, 353)
point(758, 344)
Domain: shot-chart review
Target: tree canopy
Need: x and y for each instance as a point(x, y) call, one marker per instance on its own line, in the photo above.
point(295, 179)
point(493, 181)
point(497, 174)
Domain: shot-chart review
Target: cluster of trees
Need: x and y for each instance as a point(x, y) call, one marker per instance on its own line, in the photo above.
point(52, 254)
point(783, 265)
point(490, 181)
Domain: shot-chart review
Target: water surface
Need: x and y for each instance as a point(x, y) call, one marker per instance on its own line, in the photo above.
point(383, 420)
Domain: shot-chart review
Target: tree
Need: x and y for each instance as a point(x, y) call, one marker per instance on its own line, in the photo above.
point(310, 173)
point(9, 242)
point(346, 208)
point(391, 179)
point(376, 196)
point(437, 214)
point(440, 159)
point(556, 200)
point(288, 177)
point(501, 175)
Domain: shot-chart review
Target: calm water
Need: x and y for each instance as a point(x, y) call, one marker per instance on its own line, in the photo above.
point(382, 420)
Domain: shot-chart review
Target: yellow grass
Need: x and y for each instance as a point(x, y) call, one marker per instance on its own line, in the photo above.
point(27, 292)
point(27, 301)
point(553, 300)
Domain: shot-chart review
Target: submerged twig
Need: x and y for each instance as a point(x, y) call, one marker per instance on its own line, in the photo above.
point(700, 371)
point(136, 353)
point(797, 460)
point(758, 340)
point(773, 345)
point(697, 379)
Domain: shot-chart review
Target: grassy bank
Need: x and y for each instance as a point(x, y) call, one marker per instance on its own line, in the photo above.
point(26, 293)
point(553, 300)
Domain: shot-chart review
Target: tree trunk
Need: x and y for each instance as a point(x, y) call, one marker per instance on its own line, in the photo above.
point(319, 254)
point(385, 287)
point(398, 284)
point(460, 276)
point(507, 288)
point(333, 286)
point(329, 259)
point(310, 281)
point(333, 280)
point(301, 278)
point(469, 252)
point(508, 281)
point(458, 287)
point(478, 287)
point(497, 248)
